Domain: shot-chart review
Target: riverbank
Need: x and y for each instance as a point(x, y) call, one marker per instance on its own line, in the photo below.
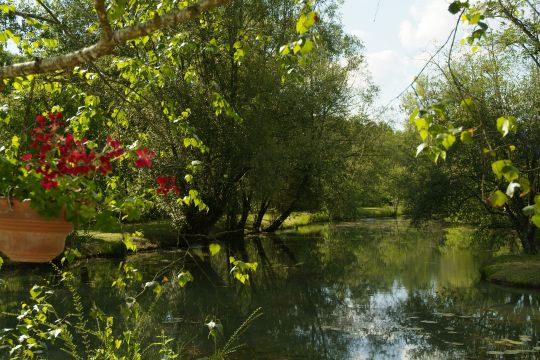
point(108, 243)
point(514, 270)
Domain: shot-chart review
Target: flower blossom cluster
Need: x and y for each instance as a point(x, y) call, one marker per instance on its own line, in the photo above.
point(56, 153)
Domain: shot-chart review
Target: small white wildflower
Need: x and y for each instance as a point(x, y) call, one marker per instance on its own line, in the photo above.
point(211, 325)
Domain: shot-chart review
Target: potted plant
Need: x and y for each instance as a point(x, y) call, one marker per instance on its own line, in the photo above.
point(54, 180)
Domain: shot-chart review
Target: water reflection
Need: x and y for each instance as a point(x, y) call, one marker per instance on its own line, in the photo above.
point(375, 289)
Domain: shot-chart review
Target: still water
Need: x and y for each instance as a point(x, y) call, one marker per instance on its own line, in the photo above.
point(378, 289)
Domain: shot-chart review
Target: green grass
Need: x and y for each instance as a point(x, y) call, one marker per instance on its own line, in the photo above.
point(376, 212)
point(514, 270)
point(296, 219)
point(108, 243)
point(304, 218)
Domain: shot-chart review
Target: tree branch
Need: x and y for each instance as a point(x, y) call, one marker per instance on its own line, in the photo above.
point(49, 11)
point(106, 47)
point(25, 15)
point(107, 32)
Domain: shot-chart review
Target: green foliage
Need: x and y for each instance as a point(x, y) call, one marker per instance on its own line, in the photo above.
point(183, 278)
point(79, 329)
point(241, 269)
point(232, 345)
point(507, 154)
point(214, 248)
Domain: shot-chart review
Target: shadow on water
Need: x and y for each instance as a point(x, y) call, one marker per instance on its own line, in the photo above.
point(374, 289)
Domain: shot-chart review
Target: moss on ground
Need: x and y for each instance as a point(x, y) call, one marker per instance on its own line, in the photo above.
point(514, 270)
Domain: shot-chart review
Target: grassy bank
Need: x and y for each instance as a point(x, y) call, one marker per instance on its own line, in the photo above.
point(377, 212)
point(160, 234)
point(109, 243)
point(514, 270)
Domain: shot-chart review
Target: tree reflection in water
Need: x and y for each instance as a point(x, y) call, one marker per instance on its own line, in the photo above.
point(374, 289)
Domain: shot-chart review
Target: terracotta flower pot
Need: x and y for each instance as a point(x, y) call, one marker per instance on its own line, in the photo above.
point(26, 236)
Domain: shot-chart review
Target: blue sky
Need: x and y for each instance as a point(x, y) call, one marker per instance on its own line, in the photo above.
point(399, 36)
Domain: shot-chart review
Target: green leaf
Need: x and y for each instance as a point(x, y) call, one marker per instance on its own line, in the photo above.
point(455, 7)
point(157, 289)
point(420, 90)
point(536, 220)
point(525, 186)
point(284, 50)
point(214, 248)
point(506, 125)
point(421, 124)
point(414, 115)
point(498, 199)
point(510, 173)
point(126, 239)
point(466, 136)
point(7, 8)
point(498, 167)
point(434, 153)
point(35, 291)
point(1, 262)
point(529, 210)
point(307, 47)
point(467, 104)
point(118, 343)
point(183, 278)
point(448, 141)
point(306, 21)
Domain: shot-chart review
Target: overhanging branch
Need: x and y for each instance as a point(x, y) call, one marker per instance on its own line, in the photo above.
point(107, 43)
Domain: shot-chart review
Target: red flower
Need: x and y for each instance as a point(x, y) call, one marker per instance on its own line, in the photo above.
point(48, 183)
point(116, 147)
point(114, 143)
point(55, 117)
point(145, 158)
point(26, 157)
point(164, 187)
point(40, 119)
point(105, 166)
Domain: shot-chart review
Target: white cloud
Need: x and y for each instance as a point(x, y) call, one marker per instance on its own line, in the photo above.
point(359, 33)
point(391, 71)
point(429, 22)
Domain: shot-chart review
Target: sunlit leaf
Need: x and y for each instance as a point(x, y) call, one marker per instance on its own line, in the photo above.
point(506, 125)
point(214, 248)
point(498, 167)
point(183, 278)
point(448, 141)
point(466, 136)
point(498, 199)
point(536, 220)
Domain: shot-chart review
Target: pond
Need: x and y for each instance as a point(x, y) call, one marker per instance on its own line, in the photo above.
point(375, 289)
